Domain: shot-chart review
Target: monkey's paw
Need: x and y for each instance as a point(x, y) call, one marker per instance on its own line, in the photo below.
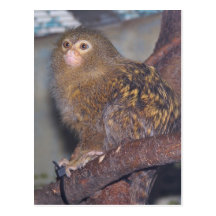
point(79, 162)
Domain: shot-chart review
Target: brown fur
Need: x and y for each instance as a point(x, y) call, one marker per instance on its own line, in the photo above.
point(108, 98)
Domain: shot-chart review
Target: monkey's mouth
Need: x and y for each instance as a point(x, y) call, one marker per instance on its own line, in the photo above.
point(72, 59)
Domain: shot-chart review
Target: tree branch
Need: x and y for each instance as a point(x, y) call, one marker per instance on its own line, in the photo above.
point(130, 157)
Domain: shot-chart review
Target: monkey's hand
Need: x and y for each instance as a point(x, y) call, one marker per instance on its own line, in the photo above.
point(78, 162)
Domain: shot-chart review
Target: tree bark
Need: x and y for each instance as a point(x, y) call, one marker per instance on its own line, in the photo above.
point(117, 163)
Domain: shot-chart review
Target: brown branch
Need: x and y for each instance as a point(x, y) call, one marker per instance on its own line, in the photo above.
point(167, 53)
point(137, 155)
point(134, 189)
point(159, 54)
point(170, 28)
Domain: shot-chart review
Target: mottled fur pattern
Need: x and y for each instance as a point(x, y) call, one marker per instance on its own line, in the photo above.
point(109, 98)
point(144, 105)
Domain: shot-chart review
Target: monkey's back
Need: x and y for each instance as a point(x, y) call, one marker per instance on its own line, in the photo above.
point(141, 105)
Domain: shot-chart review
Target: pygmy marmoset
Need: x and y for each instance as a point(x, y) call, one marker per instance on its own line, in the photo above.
point(106, 97)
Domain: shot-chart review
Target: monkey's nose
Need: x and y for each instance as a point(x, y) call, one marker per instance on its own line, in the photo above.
point(73, 52)
point(72, 58)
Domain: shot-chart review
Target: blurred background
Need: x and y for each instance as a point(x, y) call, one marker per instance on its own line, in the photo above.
point(134, 33)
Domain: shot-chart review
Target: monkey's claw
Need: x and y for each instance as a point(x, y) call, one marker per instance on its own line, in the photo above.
point(68, 165)
point(78, 162)
point(63, 162)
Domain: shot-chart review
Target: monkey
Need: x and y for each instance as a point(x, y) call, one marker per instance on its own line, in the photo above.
point(107, 98)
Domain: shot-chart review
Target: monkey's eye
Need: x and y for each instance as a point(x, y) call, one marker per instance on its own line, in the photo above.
point(84, 46)
point(66, 44)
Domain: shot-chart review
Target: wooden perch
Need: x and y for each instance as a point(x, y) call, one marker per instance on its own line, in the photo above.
point(132, 189)
point(158, 55)
point(167, 53)
point(127, 158)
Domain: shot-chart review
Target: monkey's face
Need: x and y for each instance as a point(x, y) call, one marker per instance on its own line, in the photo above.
point(74, 54)
point(82, 54)
point(84, 49)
